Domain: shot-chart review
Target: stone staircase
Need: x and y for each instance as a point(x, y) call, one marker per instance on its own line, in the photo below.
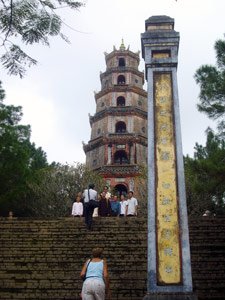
point(207, 239)
point(42, 259)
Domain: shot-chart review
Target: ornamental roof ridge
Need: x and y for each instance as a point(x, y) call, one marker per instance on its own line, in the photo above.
point(122, 51)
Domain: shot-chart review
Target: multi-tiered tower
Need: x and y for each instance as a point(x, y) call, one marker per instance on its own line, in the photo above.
point(118, 143)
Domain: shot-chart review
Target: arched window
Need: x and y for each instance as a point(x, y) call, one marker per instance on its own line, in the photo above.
point(121, 127)
point(120, 189)
point(121, 62)
point(120, 157)
point(120, 101)
point(121, 79)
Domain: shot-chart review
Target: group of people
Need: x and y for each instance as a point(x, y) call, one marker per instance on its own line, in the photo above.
point(108, 205)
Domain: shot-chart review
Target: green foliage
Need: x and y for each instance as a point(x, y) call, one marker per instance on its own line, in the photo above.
point(211, 80)
point(18, 157)
point(205, 177)
point(29, 22)
point(205, 173)
point(55, 188)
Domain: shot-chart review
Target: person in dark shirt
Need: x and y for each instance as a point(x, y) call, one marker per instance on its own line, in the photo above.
point(104, 206)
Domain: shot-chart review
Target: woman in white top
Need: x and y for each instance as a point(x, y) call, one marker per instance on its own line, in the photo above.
point(77, 209)
point(96, 284)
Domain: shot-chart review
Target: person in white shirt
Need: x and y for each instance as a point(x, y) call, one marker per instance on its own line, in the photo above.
point(123, 206)
point(77, 209)
point(89, 194)
point(132, 205)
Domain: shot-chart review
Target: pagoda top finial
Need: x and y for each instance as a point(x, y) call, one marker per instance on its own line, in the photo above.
point(122, 47)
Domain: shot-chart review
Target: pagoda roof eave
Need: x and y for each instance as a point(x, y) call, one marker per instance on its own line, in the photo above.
point(115, 138)
point(119, 170)
point(121, 88)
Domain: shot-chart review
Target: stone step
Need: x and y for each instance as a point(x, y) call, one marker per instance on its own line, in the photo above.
point(42, 259)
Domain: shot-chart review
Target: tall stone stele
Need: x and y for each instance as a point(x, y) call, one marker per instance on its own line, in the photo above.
point(169, 264)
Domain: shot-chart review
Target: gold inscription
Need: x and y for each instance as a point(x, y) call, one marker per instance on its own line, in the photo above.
point(169, 260)
point(160, 27)
point(160, 55)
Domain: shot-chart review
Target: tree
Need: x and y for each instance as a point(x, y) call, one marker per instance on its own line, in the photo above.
point(55, 188)
point(30, 187)
point(29, 22)
point(205, 176)
point(141, 184)
point(19, 158)
point(212, 87)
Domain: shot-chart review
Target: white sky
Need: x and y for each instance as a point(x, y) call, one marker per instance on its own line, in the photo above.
point(57, 95)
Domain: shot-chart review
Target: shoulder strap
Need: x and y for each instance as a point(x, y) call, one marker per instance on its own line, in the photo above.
point(88, 264)
point(88, 194)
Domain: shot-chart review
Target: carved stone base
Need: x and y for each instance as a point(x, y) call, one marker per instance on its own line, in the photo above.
point(171, 296)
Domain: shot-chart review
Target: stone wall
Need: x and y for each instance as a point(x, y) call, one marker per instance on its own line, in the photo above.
point(42, 259)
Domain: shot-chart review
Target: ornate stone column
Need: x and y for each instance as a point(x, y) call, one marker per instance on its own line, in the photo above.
point(109, 161)
point(169, 264)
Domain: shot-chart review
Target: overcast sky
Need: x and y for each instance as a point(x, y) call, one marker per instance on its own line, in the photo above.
point(58, 94)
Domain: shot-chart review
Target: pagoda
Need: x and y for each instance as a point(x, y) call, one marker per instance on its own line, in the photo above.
point(118, 143)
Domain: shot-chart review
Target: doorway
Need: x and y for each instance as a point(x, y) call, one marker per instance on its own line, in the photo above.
point(120, 189)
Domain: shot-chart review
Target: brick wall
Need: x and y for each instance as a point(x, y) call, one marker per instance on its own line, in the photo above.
point(42, 259)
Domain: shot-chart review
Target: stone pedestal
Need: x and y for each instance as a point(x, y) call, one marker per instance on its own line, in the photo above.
point(171, 296)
